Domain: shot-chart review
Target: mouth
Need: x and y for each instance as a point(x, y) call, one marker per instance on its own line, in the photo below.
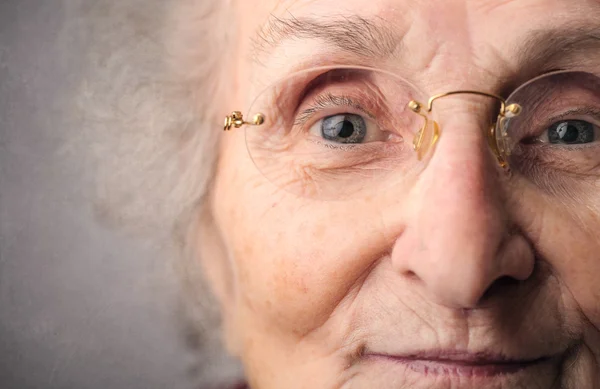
point(459, 364)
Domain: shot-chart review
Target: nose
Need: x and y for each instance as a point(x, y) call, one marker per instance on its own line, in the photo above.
point(459, 239)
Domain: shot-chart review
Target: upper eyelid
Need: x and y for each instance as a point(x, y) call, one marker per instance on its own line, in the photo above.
point(329, 100)
point(584, 110)
point(592, 111)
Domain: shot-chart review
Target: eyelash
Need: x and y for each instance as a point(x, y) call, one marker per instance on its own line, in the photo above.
point(326, 101)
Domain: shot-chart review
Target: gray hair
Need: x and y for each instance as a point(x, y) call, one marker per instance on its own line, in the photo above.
point(150, 112)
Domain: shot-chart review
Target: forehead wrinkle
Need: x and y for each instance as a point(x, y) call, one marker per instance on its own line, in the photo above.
point(353, 34)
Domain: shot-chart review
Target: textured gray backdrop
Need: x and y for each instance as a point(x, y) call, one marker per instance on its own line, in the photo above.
point(80, 306)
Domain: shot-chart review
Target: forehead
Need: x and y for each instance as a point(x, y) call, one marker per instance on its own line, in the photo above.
point(481, 15)
point(481, 38)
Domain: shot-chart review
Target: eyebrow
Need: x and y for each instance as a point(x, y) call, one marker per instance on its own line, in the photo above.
point(354, 34)
point(549, 46)
point(541, 50)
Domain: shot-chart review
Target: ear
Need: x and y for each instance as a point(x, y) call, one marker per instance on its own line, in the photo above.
point(218, 269)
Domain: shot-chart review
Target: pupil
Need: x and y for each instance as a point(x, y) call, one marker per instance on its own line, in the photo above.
point(346, 129)
point(570, 134)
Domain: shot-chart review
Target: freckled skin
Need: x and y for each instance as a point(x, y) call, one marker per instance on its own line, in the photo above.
point(315, 281)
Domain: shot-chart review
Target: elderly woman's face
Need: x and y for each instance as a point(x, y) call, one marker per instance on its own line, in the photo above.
point(450, 272)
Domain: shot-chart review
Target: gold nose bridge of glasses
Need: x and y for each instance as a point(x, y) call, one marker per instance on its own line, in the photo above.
point(236, 120)
point(499, 150)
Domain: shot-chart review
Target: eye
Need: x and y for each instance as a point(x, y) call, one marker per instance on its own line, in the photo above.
point(570, 132)
point(343, 128)
point(348, 128)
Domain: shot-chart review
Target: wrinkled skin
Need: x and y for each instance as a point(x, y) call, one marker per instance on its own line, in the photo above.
point(463, 263)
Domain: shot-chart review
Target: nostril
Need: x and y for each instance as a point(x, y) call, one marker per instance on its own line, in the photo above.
point(411, 275)
point(499, 286)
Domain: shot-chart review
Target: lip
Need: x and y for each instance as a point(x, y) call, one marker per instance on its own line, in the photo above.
point(457, 363)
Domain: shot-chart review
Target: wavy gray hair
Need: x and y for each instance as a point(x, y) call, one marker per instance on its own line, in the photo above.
point(150, 105)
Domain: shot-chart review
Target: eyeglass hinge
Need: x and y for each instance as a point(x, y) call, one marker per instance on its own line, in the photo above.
point(236, 120)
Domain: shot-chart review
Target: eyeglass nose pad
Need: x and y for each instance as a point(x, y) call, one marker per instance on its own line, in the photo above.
point(499, 142)
point(426, 138)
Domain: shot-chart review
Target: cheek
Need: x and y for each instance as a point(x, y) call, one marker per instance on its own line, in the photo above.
point(567, 238)
point(294, 259)
point(579, 268)
point(296, 262)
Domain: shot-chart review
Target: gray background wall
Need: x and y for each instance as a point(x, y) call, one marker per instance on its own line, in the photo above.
point(80, 306)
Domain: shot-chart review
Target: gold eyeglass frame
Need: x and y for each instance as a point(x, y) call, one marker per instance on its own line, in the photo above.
point(506, 111)
point(497, 142)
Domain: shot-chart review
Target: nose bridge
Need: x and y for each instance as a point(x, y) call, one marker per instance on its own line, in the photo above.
point(461, 181)
point(466, 93)
point(484, 107)
point(459, 222)
point(475, 111)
